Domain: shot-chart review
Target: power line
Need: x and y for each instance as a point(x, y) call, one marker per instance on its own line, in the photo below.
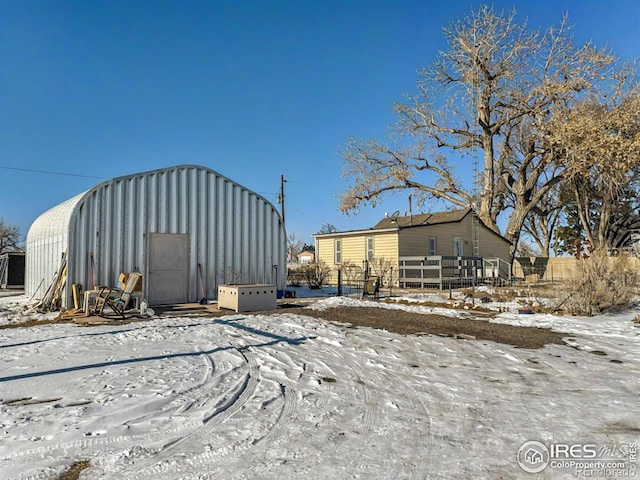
point(51, 173)
point(306, 216)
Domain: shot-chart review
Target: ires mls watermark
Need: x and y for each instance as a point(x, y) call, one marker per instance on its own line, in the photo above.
point(587, 460)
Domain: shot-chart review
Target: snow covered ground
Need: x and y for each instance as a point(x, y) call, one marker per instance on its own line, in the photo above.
point(291, 397)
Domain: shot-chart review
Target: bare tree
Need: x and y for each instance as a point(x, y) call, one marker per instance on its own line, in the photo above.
point(542, 222)
point(488, 94)
point(525, 249)
point(383, 268)
point(294, 247)
point(316, 273)
point(10, 238)
point(328, 228)
point(352, 274)
point(599, 142)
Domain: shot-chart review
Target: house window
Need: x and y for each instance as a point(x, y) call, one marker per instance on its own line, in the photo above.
point(338, 252)
point(370, 251)
point(458, 246)
point(432, 246)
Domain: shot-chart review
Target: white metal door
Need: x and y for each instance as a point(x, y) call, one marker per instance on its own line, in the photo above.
point(168, 268)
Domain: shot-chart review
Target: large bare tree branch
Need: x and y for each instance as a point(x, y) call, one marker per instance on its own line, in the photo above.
point(492, 91)
point(10, 238)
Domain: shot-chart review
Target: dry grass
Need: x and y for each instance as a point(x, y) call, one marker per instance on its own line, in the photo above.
point(601, 284)
point(73, 473)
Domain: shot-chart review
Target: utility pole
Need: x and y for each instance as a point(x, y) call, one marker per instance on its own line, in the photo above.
point(281, 196)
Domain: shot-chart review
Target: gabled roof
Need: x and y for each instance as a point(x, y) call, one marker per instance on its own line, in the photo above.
point(421, 219)
point(392, 223)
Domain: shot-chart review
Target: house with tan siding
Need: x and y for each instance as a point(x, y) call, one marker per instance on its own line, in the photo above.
point(444, 234)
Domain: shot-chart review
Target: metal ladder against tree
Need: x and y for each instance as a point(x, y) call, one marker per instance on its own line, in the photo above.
point(475, 233)
point(475, 220)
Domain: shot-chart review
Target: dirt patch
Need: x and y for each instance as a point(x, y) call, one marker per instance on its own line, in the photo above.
point(397, 321)
point(32, 323)
point(74, 471)
point(400, 321)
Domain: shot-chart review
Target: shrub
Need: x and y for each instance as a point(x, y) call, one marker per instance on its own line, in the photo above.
point(316, 273)
point(352, 274)
point(385, 268)
point(601, 283)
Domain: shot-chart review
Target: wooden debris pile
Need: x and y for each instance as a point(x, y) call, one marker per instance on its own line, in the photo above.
point(52, 299)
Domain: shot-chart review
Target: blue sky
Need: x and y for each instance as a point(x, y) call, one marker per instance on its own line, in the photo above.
point(251, 89)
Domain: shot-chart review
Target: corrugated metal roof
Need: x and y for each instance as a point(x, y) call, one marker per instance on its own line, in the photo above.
point(235, 234)
point(55, 221)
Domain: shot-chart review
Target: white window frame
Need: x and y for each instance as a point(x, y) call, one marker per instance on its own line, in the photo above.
point(337, 251)
point(432, 243)
point(459, 242)
point(370, 246)
point(432, 246)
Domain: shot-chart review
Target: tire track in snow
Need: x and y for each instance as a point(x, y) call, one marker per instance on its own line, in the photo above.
point(284, 419)
point(180, 398)
point(371, 418)
point(357, 462)
point(160, 463)
point(426, 460)
point(385, 373)
point(61, 450)
point(290, 390)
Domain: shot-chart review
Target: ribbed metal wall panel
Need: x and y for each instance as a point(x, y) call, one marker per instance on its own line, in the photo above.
point(47, 239)
point(236, 235)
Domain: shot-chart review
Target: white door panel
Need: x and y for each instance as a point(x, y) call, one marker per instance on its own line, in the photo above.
point(168, 269)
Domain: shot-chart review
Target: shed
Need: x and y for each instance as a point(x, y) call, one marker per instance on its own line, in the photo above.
point(168, 224)
point(12, 270)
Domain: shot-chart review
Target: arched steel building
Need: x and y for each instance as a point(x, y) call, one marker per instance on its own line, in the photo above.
point(163, 223)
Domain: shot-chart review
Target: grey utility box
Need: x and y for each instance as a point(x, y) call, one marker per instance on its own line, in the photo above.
point(247, 297)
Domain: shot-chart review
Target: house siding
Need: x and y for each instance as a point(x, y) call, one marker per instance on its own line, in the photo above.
point(414, 241)
point(324, 250)
point(493, 246)
point(386, 245)
point(354, 249)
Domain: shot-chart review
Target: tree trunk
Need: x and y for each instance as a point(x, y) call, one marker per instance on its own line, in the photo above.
point(514, 227)
point(486, 184)
point(544, 251)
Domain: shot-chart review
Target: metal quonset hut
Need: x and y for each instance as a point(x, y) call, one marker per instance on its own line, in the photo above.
point(162, 223)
